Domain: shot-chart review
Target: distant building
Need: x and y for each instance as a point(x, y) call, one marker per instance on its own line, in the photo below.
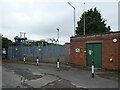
point(20, 40)
point(29, 42)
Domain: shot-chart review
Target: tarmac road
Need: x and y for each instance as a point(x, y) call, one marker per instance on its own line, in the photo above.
point(46, 76)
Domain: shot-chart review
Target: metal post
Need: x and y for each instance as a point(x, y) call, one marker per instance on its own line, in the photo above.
point(84, 19)
point(73, 17)
point(24, 58)
point(74, 22)
point(58, 64)
point(20, 34)
point(24, 34)
point(37, 61)
point(58, 38)
point(58, 35)
point(92, 69)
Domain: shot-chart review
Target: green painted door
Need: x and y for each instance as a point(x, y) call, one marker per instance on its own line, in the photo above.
point(94, 52)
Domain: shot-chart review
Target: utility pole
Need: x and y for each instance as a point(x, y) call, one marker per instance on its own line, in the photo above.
point(58, 35)
point(24, 34)
point(84, 19)
point(73, 17)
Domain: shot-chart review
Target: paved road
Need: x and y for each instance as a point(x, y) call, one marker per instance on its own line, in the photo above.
point(46, 76)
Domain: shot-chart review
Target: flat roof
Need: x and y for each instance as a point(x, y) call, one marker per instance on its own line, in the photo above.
point(101, 34)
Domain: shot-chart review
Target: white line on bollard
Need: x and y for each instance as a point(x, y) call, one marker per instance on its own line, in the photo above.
point(93, 69)
point(58, 64)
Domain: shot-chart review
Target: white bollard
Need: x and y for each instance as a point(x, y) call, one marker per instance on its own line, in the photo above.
point(24, 59)
point(58, 64)
point(37, 61)
point(93, 69)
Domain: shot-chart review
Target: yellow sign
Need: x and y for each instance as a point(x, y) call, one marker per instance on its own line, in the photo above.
point(90, 52)
point(39, 49)
point(16, 49)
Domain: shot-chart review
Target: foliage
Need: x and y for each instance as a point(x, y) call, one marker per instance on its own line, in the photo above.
point(41, 43)
point(6, 42)
point(94, 23)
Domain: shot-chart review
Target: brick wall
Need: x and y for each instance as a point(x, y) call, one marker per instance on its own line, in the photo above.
point(109, 49)
point(119, 51)
point(78, 58)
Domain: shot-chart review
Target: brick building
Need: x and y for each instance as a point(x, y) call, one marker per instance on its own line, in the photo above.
point(103, 49)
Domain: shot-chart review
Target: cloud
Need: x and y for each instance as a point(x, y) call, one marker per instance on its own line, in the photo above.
point(39, 19)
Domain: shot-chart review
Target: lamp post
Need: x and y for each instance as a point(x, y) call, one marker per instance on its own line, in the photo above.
point(74, 17)
point(58, 62)
point(58, 35)
point(84, 19)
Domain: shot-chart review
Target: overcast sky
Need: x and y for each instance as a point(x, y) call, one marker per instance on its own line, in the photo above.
point(39, 19)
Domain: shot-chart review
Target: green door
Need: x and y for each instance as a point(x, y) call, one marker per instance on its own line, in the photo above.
point(94, 52)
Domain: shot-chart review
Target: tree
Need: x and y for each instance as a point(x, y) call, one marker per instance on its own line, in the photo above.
point(41, 43)
point(94, 23)
point(6, 42)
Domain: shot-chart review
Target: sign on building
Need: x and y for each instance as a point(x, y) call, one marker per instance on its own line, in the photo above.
point(77, 49)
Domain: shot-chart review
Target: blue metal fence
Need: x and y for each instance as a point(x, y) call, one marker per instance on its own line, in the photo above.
point(32, 52)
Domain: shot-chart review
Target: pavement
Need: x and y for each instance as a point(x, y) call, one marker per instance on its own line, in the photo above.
point(29, 75)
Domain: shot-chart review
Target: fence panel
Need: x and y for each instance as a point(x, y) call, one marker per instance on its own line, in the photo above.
point(48, 53)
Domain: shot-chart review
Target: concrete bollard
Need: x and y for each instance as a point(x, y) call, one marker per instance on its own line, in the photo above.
point(58, 64)
point(37, 61)
point(92, 69)
point(24, 59)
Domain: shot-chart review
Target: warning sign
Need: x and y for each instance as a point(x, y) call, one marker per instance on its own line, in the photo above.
point(90, 52)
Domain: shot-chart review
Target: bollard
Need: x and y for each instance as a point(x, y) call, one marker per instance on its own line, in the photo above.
point(37, 61)
point(92, 69)
point(24, 59)
point(58, 64)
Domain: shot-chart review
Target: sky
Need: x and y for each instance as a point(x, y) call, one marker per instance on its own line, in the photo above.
point(39, 19)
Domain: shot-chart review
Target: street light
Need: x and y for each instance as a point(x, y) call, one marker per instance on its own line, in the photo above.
point(58, 35)
point(74, 16)
point(84, 18)
point(58, 64)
